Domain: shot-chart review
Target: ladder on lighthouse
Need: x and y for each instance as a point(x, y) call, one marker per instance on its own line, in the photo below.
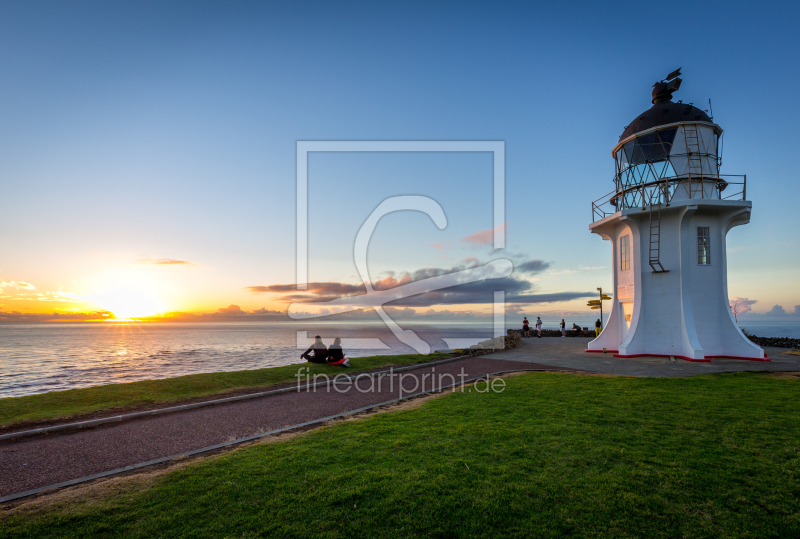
point(693, 160)
point(655, 239)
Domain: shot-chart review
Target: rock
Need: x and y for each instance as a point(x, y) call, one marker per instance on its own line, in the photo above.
point(557, 333)
point(509, 341)
point(777, 342)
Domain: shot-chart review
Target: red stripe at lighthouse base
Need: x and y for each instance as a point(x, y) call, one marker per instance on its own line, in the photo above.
point(765, 358)
point(693, 360)
point(707, 359)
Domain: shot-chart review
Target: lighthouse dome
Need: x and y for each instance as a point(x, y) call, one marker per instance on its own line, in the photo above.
point(664, 113)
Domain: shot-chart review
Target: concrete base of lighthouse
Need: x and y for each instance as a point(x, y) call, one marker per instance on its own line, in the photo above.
point(683, 312)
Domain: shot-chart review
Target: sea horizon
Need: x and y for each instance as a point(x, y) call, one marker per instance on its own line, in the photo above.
point(40, 358)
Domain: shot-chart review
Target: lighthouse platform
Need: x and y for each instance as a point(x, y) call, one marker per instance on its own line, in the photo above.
point(570, 354)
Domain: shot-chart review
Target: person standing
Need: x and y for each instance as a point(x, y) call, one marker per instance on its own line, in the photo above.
point(563, 328)
point(526, 330)
point(598, 327)
point(539, 326)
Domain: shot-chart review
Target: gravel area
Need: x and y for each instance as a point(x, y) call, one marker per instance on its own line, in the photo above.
point(42, 460)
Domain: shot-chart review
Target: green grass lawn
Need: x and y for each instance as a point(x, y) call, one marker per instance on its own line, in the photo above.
point(77, 402)
point(554, 455)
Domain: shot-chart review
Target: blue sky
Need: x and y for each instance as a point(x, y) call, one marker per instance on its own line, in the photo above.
point(166, 131)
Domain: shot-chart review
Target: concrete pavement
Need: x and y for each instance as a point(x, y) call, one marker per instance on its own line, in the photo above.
point(569, 353)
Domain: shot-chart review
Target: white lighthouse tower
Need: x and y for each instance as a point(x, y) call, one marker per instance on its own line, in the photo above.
point(667, 220)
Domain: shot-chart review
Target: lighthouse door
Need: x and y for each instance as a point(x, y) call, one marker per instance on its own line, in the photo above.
point(626, 311)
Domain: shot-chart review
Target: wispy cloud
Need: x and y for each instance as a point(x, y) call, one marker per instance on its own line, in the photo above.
point(164, 262)
point(22, 291)
point(484, 237)
point(16, 284)
point(518, 290)
point(565, 271)
point(569, 271)
point(532, 267)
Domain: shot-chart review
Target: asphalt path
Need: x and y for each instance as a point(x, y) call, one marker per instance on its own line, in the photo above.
point(42, 460)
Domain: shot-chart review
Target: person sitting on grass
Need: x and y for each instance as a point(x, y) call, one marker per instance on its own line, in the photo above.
point(318, 352)
point(336, 354)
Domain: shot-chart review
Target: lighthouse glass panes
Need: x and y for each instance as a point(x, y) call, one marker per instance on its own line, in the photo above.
point(644, 160)
point(649, 165)
point(650, 148)
point(703, 246)
point(624, 253)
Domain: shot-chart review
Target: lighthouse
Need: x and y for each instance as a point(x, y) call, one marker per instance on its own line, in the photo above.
point(667, 220)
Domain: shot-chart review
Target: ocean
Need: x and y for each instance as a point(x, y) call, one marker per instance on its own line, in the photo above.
point(38, 358)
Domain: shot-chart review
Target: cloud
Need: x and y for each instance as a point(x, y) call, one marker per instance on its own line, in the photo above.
point(777, 310)
point(565, 271)
point(484, 237)
point(532, 267)
point(231, 309)
point(164, 262)
point(322, 288)
point(443, 246)
point(517, 290)
point(231, 312)
point(742, 305)
point(16, 284)
point(22, 291)
point(234, 311)
point(16, 316)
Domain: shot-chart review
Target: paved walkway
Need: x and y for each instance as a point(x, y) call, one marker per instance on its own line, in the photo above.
point(569, 353)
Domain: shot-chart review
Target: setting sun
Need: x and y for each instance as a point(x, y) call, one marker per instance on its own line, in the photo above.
point(128, 302)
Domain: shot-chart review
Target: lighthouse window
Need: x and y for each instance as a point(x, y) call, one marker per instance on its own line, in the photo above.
point(624, 253)
point(703, 245)
point(650, 148)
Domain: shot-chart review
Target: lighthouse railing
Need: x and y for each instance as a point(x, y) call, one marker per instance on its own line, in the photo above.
point(662, 191)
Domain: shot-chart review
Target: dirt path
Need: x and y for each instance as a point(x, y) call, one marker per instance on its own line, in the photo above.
point(42, 460)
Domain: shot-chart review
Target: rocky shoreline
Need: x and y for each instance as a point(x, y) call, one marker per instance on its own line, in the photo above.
point(777, 342)
point(556, 332)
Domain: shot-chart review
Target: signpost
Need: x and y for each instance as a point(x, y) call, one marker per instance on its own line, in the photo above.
point(598, 304)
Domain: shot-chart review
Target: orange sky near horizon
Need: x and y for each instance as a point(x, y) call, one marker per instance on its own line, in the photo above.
point(151, 287)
